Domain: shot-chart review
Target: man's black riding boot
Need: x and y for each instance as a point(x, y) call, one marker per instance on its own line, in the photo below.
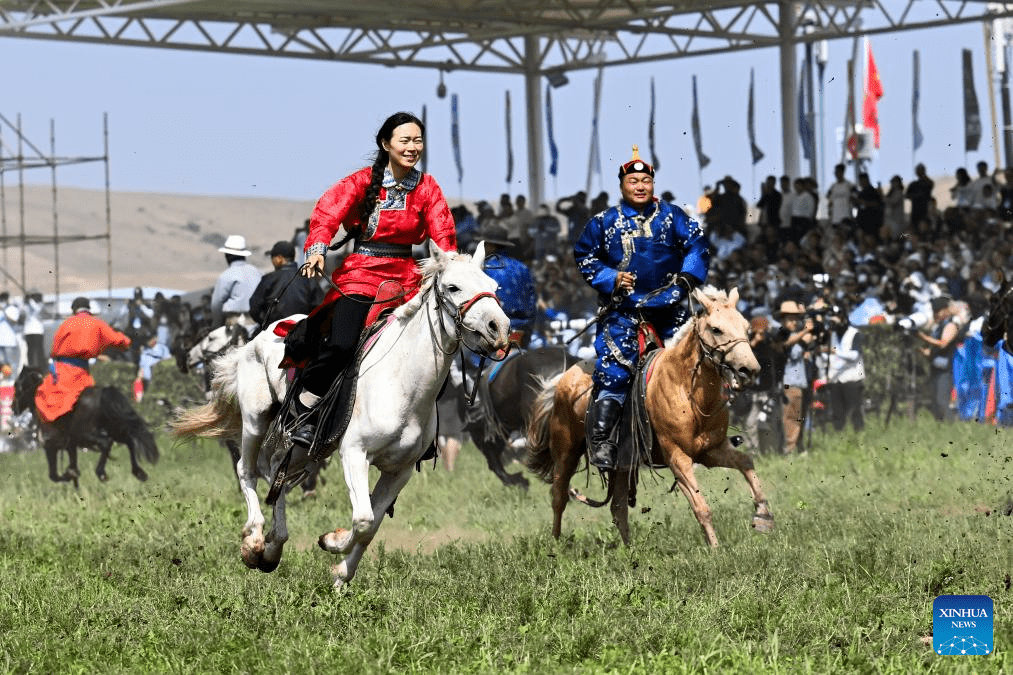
point(603, 450)
point(307, 429)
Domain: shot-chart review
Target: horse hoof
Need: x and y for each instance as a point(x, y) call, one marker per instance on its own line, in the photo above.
point(268, 565)
point(339, 541)
point(140, 475)
point(763, 524)
point(252, 553)
point(102, 477)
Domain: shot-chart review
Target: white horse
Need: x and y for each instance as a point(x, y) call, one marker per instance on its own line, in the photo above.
point(393, 420)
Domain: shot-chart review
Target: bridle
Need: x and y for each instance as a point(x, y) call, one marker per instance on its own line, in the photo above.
point(457, 314)
point(716, 355)
point(206, 356)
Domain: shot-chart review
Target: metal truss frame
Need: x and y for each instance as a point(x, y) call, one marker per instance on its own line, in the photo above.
point(477, 35)
point(19, 154)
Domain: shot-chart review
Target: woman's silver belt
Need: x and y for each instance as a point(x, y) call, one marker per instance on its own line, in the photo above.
point(380, 250)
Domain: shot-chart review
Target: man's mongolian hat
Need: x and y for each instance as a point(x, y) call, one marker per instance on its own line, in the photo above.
point(636, 165)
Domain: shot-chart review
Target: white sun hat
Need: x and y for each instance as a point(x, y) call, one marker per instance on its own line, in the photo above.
point(235, 245)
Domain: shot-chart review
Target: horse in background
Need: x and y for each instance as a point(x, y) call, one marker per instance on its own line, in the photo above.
point(506, 397)
point(998, 324)
point(392, 421)
point(102, 416)
point(196, 355)
point(685, 404)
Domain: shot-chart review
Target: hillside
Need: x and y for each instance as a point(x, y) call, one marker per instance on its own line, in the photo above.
point(161, 240)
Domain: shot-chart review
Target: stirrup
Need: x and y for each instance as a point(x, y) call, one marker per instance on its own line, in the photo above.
point(303, 434)
point(603, 456)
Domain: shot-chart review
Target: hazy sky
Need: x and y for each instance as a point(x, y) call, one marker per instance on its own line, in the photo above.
point(207, 123)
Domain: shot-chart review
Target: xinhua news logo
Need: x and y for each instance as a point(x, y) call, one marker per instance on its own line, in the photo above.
point(962, 625)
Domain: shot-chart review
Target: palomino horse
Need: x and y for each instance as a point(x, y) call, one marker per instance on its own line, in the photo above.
point(393, 420)
point(101, 416)
point(687, 410)
point(506, 397)
point(998, 323)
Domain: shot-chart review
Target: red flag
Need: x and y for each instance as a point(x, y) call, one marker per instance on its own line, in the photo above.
point(873, 92)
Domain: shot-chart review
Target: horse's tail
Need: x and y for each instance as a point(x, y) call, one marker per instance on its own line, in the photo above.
point(126, 426)
point(219, 417)
point(539, 459)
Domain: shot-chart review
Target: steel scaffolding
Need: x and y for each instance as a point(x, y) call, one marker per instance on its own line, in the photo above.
point(22, 155)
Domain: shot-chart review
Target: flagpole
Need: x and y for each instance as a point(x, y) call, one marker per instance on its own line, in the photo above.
point(865, 92)
point(990, 79)
point(849, 110)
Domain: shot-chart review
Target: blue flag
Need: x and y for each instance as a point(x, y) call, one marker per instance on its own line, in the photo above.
point(455, 136)
point(553, 150)
point(701, 158)
point(757, 153)
point(805, 129)
point(509, 142)
point(972, 115)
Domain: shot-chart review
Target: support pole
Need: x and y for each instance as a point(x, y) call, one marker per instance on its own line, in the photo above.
point(109, 211)
point(789, 92)
point(533, 109)
point(56, 225)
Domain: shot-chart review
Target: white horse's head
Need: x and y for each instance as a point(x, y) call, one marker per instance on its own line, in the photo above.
point(468, 295)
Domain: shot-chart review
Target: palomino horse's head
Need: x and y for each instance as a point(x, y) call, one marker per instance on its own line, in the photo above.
point(467, 295)
point(724, 335)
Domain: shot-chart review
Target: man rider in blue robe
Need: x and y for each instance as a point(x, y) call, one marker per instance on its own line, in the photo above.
point(643, 257)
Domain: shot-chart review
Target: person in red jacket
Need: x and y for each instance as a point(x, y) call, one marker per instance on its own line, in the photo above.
point(79, 338)
point(388, 208)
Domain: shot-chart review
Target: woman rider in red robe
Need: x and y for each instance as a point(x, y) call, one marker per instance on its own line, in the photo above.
point(388, 207)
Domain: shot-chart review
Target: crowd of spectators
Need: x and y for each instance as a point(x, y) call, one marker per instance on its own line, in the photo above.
point(850, 255)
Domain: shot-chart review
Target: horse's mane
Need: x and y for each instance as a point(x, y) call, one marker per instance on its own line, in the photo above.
point(429, 267)
point(713, 294)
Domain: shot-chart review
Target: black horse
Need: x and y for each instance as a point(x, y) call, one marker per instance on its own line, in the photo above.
point(506, 397)
point(102, 416)
point(999, 321)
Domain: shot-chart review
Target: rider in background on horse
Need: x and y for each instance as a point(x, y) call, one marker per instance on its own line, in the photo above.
point(643, 257)
point(230, 299)
point(283, 292)
point(516, 290)
point(388, 208)
point(79, 338)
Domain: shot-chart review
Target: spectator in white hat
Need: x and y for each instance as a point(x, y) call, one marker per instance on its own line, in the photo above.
point(230, 300)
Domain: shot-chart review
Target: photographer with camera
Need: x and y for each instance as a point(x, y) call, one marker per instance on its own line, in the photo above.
point(762, 424)
point(945, 334)
point(799, 340)
point(845, 371)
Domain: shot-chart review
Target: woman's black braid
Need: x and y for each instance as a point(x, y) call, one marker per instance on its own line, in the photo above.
point(373, 191)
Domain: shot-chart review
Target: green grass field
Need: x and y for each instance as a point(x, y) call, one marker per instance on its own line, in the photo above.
point(126, 577)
